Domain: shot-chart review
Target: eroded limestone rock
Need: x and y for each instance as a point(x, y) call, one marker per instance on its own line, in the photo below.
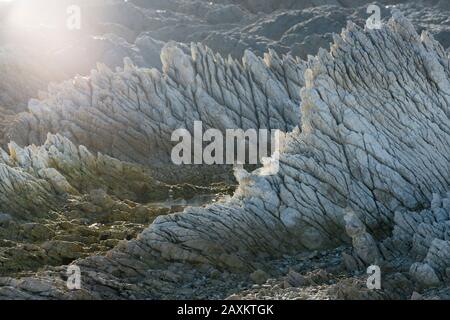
point(373, 138)
point(131, 114)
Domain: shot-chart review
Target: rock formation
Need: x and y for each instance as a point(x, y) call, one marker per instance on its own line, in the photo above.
point(367, 165)
point(131, 114)
point(114, 29)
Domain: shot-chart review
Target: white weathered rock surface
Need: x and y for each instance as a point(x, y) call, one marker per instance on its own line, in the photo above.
point(131, 114)
point(373, 140)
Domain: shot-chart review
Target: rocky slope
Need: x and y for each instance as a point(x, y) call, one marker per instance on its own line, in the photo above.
point(366, 170)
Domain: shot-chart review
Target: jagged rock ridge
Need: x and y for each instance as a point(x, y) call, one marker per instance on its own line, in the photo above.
point(133, 112)
point(372, 147)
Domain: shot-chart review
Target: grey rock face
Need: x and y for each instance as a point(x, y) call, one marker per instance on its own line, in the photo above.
point(425, 274)
point(373, 140)
point(422, 237)
point(364, 244)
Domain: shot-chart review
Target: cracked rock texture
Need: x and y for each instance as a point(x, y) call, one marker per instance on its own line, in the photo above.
point(131, 114)
point(368, 165)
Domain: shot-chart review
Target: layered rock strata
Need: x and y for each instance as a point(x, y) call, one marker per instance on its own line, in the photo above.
point(368, 165)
